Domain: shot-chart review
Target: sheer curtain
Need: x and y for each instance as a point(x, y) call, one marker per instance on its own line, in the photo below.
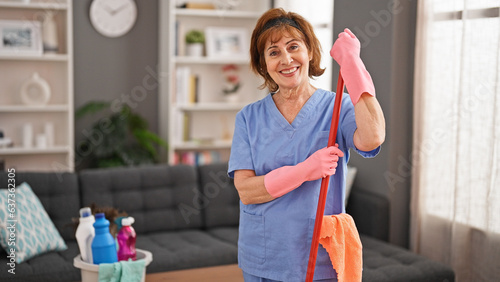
point(456, 151)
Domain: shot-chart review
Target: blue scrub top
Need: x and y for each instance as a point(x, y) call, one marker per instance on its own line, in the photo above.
point(275, 237)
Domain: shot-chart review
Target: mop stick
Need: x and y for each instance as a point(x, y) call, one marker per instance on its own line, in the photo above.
point(324, 183)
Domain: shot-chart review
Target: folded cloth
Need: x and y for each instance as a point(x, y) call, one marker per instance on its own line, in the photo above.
point(122, 271)
point(340, 238)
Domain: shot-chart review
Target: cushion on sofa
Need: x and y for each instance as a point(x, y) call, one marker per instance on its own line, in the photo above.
point(34, 233)
point(58, 193)
point(221, 206)
point(383, 262)
point(53, 267)
point(222, 210)
point(175, 250)
point(370, 212)
point(159, 197)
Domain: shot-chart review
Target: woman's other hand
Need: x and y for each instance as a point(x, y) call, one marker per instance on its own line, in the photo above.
point(347, 46)
point(346, 51)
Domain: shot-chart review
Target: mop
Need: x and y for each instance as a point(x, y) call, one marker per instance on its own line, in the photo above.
point(324, 183)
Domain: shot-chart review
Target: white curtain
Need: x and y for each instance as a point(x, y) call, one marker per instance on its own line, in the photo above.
point(456, 151)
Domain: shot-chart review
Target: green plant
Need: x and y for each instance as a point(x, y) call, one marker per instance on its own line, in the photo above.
point(195, 36)
point(120, 139)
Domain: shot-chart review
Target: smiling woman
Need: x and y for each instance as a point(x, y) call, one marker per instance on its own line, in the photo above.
point(279, 154)
point(274, 27)
point(287, 62)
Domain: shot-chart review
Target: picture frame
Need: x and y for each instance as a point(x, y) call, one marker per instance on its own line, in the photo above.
point(21, 38)
point(224, 42)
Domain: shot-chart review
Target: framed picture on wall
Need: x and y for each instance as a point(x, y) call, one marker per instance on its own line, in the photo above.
point(224, 42)
point(20, 38)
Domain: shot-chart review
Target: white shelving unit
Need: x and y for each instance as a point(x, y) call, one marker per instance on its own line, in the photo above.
point(208, 124)
point(57, 70)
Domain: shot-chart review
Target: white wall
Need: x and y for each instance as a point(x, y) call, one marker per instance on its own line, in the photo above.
point(320, 15)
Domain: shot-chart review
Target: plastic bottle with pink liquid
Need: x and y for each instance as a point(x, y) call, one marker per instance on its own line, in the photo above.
point(126, 240)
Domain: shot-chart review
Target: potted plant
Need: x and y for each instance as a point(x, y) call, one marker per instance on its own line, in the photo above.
point(120, 139)
point(195, 39)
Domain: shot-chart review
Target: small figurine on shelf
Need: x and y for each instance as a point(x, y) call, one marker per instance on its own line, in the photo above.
point(232, 82)
point(5, 142)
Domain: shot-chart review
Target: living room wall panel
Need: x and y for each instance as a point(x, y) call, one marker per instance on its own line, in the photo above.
point(112, 69)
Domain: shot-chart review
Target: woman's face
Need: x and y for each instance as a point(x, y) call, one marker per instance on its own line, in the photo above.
point(287, 62)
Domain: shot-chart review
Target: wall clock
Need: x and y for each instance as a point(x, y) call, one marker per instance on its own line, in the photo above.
point(113, 18)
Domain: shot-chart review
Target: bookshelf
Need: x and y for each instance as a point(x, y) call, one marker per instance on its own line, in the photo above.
point(50, 124)
point(195, 116)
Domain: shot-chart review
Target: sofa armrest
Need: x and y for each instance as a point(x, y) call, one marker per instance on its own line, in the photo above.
point(370, 212)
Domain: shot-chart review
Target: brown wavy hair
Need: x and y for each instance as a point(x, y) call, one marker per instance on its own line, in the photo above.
point(262, 33)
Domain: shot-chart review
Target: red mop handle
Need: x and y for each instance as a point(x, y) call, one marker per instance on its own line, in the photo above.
point(324, 183)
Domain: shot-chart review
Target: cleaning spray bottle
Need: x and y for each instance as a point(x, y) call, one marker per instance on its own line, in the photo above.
point(85, 234)
point(126, 240)
point(103, 245)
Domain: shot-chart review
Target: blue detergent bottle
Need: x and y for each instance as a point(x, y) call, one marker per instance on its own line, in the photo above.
point(103, 245)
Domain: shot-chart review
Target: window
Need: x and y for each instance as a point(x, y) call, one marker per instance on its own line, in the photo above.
point(456, 183)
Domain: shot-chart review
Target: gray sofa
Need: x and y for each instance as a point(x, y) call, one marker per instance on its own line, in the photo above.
point(188, 218)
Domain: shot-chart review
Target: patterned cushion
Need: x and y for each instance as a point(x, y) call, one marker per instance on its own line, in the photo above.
point(34, 231)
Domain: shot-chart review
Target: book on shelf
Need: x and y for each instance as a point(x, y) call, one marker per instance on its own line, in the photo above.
point(197, 5)
point(193, 89)
point(182, 132)
point(185, 128)
point(180, 40)
point(186, 85)
point(197, 158)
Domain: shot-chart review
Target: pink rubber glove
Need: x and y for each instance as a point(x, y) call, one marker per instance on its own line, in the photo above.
point(320, 164)
point(345, 51)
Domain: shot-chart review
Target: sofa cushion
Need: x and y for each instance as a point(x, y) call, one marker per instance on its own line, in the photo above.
point(385, 262)
point(185, 249)
point(226, 234)
point(53, 266)
point(370, 212)
point(159, 197)
point(58, 193)
point(33, 231)
point(221, 200)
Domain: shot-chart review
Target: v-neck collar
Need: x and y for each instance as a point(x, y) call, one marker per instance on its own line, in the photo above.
point(305, 111)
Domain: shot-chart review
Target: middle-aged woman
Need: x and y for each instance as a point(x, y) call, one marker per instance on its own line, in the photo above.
point(278, 155)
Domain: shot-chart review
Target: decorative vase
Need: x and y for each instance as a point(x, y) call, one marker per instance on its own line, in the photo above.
point(194, 49)
point(35, 91)
point(49, 133)
point(41, 141)
point(49, 34)
point(27, 135)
